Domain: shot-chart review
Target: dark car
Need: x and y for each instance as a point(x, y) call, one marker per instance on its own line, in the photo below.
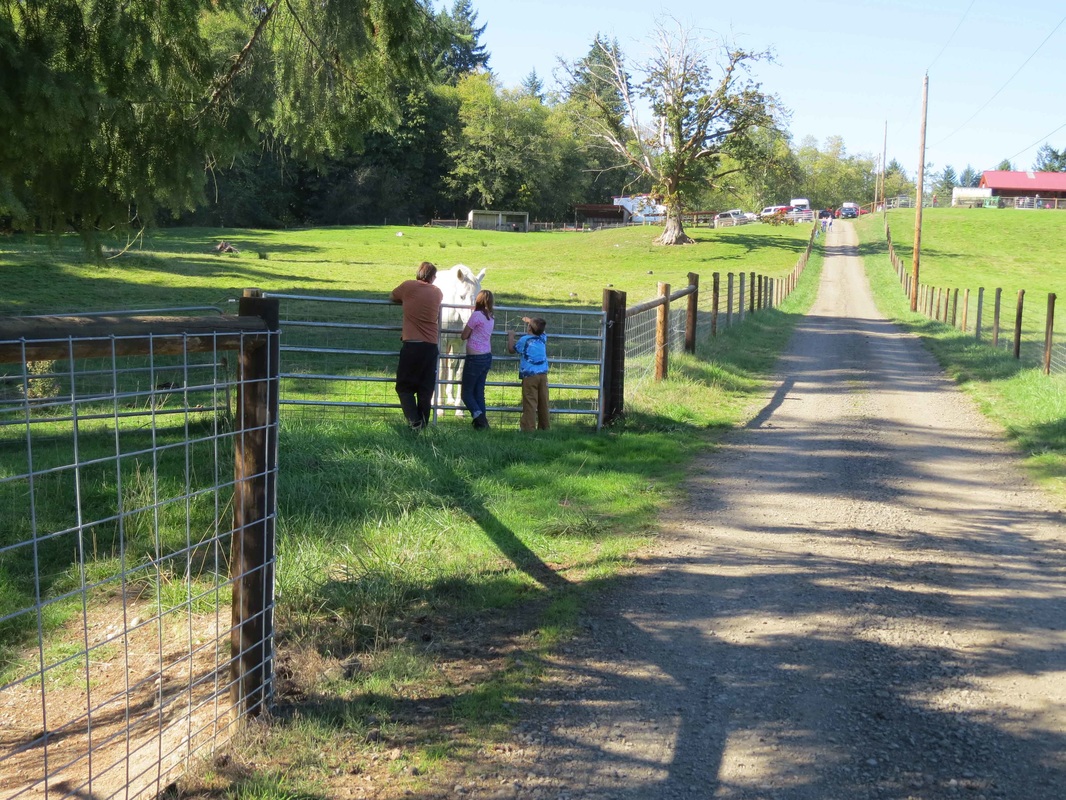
point(848, 211)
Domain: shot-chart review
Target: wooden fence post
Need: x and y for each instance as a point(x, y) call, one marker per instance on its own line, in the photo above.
point(1018, 324)
point(995, 317)
point(1049, 332)
point(729, 301)
point(752, 291)
point(693, 310)
point(954, 307)
point(965, 308)
point(614, 356)
point(980, 311)
point(715, 289)
point(662, 333)
point(740, 305)
point(254, 504)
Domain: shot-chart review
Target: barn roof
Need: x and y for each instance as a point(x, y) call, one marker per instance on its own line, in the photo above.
point(1033, 182)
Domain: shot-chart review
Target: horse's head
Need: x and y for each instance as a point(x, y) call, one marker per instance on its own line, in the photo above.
point(460, 286)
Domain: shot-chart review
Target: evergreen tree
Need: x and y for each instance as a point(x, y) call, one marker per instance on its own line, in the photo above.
point(110, 109)
point(1048, 159)
point(464, 52)
point(969, 177)
point(943, 185)
point(1005, 166)
point(533, 86)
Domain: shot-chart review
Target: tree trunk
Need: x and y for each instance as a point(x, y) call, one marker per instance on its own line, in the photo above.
point(674, 232)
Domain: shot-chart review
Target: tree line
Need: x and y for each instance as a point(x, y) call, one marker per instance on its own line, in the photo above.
point(123, 113)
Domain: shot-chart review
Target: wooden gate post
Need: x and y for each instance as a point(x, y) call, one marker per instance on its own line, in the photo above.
point(995, 317)
point(662, 333)
point(1049, 332)
point(1018, 324)
point(693, 310)
point(614, 356)
point(980, 310)
point(716, 288)
point(252, 553)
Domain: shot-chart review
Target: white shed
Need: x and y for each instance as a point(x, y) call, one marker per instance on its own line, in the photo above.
point(484, 220)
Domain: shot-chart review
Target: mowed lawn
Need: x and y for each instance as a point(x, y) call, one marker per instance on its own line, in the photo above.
point(177, 267)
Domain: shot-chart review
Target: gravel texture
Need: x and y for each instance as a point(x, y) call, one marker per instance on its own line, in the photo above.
point(863, 597)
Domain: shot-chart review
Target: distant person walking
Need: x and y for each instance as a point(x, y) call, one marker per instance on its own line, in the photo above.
point(416, 372)
point(533, 370)
point(477, 333)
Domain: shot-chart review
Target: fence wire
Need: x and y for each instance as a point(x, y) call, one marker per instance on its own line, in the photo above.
point(115, 585)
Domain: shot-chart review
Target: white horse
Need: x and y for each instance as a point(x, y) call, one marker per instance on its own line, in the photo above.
point(460, 286)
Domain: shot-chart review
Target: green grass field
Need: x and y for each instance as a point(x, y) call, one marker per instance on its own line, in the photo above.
point(434, 571)
point(177, 267)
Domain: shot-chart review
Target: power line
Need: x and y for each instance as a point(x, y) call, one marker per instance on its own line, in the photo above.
point(945, 47)
point(1043, 138)
point(1004, 86)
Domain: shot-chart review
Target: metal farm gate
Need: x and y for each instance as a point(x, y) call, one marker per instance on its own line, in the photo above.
point(339, 354)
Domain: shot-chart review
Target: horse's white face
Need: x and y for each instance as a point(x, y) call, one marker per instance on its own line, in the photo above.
point(460, 286)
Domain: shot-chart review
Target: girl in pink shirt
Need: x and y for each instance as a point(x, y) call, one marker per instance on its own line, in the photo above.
point(478, 334)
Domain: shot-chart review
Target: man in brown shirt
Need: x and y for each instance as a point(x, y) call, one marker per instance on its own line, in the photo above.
point(416, 372)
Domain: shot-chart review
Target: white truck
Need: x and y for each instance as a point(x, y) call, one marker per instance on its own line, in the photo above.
point(801, 209)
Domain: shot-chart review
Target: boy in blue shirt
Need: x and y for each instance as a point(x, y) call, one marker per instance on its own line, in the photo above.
point(532, 349)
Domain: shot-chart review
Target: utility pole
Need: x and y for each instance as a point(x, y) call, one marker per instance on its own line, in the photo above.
point(919, 192)
point(884, 169)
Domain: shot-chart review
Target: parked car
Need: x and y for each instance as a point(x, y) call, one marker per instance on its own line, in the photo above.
point(769, 211)
point(734, 216)
point(848, 211)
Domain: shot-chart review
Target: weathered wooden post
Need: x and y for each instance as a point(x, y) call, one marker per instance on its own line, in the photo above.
point(740, 305)
point(954, 306)
point(965, 308)
point(995, 317)
point(252, 552)
point(752, 291)
point(662, 333)
point(693, 311)
point(1018, 324)
point(729, 301)
point(715, 289)
point(1049, 332)
point(614, 356)
point(980, 311)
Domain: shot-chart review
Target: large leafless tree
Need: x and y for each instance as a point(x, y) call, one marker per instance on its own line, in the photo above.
point(702, 101)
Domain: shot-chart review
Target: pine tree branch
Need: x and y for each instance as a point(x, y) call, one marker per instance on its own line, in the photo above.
point(239, 59)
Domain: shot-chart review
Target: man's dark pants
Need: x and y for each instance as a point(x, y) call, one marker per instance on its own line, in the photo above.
point(416, 380)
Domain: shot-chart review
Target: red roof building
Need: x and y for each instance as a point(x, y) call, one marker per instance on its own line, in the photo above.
point(1024, 184)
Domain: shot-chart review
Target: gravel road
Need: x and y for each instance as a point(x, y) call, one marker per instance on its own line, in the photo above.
point(862, 598)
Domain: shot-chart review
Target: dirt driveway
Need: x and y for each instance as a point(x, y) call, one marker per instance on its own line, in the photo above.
point(863, 598)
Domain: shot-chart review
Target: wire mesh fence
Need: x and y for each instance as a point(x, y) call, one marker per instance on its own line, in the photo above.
point(116, 581)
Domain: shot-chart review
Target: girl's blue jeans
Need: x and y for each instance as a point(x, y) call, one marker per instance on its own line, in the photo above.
point(472, 386)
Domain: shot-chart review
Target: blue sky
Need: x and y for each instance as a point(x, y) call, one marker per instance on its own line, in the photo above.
point(845, 68)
